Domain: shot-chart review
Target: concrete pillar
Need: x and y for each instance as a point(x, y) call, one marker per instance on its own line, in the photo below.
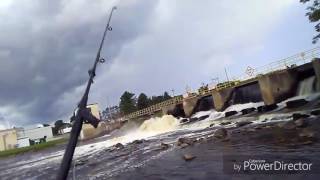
point(316, 67)
point(221, 98)
point(167, 109)
point(277, 86)
point(189, 104)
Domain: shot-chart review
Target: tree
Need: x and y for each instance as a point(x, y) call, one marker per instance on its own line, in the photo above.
point(58, 124)
point(314, 16)
point(127, 103)
point(45, 125)
point(166, 96)
point(143, 101)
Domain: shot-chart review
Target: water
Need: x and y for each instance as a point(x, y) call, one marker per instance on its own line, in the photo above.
point(146, 160)
point(306, 86)
point(246, 94)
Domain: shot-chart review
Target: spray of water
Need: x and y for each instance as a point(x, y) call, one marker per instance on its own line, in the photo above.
point(306, 86)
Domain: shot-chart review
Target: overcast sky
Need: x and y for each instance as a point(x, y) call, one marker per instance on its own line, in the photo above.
point(47, 47)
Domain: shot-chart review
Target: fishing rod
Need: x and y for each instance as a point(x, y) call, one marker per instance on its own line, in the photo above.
point(82, 114)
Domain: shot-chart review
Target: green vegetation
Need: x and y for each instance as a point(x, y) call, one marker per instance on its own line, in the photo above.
point(59, 124)
point(143, 101)
point(36, 147)
point(314, 16)
point(129, 103)
point(158, 99)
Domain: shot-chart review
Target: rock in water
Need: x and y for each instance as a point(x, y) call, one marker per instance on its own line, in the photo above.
point(243, 123)
point(300, 123)
point(119, 146)
point(248, 110)
point(289, 125)
point(81, 162)
point(220, 133)
point(230, 113)
point(211, 125)
point(296, 116)
point(139, 141)
point(225, 123)
point(307, 133)
point(267, 108)
point(164, 146)
point(296, 103)
point(184, 141)
point(193, 119)
point(315, 112)
point(188, 157)
point(203, 117)
point(183, 145)
point(184, 120)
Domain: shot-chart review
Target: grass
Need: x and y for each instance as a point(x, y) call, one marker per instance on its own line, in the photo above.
point(36, 147)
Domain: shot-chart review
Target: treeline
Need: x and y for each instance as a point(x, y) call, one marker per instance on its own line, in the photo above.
point(130, 103)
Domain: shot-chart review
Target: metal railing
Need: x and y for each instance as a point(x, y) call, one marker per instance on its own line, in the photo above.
point(155, 107)
point(289, 62)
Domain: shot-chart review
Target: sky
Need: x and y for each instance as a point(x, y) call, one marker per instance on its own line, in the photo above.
point(47, 47)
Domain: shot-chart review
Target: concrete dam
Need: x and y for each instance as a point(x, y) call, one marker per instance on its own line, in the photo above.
point(293, 76)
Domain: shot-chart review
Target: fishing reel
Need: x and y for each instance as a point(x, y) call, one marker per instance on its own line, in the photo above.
point(87, 115)
point(102, 60)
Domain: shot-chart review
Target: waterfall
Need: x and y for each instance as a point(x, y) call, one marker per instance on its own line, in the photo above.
point(246, 94)
point(306, 86)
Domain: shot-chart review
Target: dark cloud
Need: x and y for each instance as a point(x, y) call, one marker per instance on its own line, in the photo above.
point(47, 47)
point(48, 56)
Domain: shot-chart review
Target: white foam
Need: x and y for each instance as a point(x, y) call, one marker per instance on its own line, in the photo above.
point(239, 107)
point(202, 113)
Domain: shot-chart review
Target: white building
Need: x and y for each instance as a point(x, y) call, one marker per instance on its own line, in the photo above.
point(23, 142)
point(36, 133)
point(65, 130)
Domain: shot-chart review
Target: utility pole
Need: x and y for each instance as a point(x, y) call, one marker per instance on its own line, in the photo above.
point(82, 113)
point(215, 80)
point(225, 70)
point(172, 90)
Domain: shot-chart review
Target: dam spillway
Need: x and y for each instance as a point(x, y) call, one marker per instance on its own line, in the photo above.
point(271, 86)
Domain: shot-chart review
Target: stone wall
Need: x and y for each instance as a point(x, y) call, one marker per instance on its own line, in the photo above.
point(189, 104)
point(277, 86)
point(221, 98)
point(316, 67)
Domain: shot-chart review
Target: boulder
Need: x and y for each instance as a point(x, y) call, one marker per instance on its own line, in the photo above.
point(81, 162)
point(248, 110)
point(119, 146)
point(185, 120)
point(203, 117)
point(225, 123)
point(184, 141)
point(267, 108)
point(300, 123)
point(193, 119)
point(296, 103)
point(307, 133)
point(288, 125)
point(164, 146)
point(315, 112)
point(296, 116)
point(220, 133)
point(230, 113)
point(138, 141)
point(183, 145)
point(188, 157)
point(243, 123)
